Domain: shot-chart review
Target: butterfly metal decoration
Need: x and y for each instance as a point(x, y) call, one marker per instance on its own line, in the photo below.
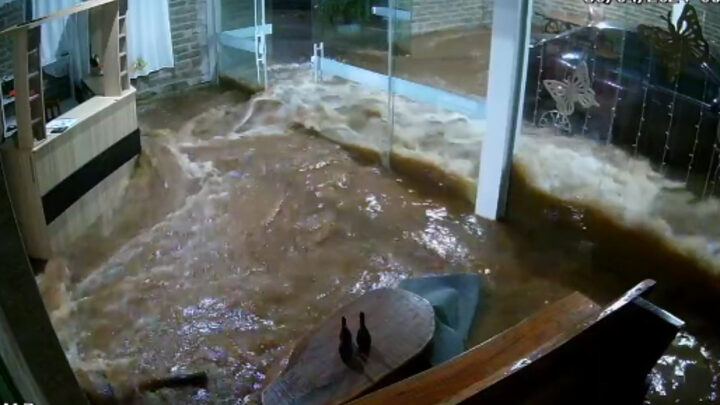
point(578, 89)
point(679, 42)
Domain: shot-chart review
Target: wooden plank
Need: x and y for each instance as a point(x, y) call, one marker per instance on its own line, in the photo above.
point(110, 49)
point(36, 84)
point(495, 359)
point(22, 185)
point(626, 298)
point(74, 9)
point(22, 90)
point(401, 324)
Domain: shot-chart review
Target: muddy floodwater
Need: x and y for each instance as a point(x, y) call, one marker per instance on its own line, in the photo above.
point(226, 248)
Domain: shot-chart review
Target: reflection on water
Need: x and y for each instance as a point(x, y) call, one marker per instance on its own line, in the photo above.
point(228, 247)
point(682, 374)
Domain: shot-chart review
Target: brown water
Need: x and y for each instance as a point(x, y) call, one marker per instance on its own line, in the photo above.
point(226, 249)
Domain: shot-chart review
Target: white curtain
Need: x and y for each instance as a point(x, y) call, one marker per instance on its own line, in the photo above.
point(64, 40)
point(149, 37)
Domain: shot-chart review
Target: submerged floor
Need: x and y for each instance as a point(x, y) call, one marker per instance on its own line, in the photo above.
point(232, 241)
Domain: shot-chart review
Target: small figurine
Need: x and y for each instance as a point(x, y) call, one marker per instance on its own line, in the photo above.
point(346, 343)
point(363, 337)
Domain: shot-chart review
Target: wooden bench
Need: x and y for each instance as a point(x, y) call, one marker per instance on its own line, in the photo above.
point(572, 351)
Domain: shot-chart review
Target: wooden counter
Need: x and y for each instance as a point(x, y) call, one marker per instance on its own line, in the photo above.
point(61, 185)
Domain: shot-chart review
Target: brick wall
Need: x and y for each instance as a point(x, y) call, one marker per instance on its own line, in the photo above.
point(190, 47)
point(10, 14)
point(631, 15)
point(436, 15)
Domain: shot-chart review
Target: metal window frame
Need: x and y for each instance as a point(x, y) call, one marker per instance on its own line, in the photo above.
point(506, 88)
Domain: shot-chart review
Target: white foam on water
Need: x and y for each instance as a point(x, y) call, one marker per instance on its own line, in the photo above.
point(353, 114)
point(626, 188)
point(573, 169)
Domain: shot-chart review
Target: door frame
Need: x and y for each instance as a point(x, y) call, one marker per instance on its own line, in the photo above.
point(509, 51)
point(29, 346)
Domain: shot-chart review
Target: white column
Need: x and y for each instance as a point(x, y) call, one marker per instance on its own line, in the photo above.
point(506, 88)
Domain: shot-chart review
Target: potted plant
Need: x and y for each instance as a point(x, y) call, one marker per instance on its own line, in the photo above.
point(346, 15)
point(139, 65)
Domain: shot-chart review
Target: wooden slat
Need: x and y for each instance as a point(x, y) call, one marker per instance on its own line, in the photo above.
point(626, 298)
point(22, 91)
point(497, 358)
point(111, 49)
point(22, 183)
point(401, 324)
point(76, 8)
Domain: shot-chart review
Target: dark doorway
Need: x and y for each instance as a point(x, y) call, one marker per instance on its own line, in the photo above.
point(292, 31)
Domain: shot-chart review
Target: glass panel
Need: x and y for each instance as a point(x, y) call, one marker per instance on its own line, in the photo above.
point(617, 162)
point(345, 97)
point(353, 31)
point(440, 69)
point(242, 24)
point(292, 31)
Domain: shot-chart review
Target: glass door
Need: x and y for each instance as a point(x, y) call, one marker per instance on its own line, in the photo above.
point(351, 61)
point(441, 57)
point(406, 80)
point(242, 30)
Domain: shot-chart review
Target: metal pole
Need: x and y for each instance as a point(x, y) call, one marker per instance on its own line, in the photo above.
point(264, 46)
point(387, 151)
point(506, 88)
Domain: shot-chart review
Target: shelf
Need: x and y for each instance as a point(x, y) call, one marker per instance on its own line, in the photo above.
point(123, 54)
point(9, 134)
point(33, 75)
point(36, 120)
point(33, 97)
point(10, 121)
point(32, 51)
point(8, 101)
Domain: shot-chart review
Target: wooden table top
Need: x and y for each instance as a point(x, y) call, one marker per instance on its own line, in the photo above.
point(401, 324)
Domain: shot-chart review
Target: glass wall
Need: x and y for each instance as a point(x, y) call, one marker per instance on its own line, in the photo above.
point(441, 54)
point(619, 113)
point(242, 30)
point(404, 81)
point(618, 156)
point(352, 72)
